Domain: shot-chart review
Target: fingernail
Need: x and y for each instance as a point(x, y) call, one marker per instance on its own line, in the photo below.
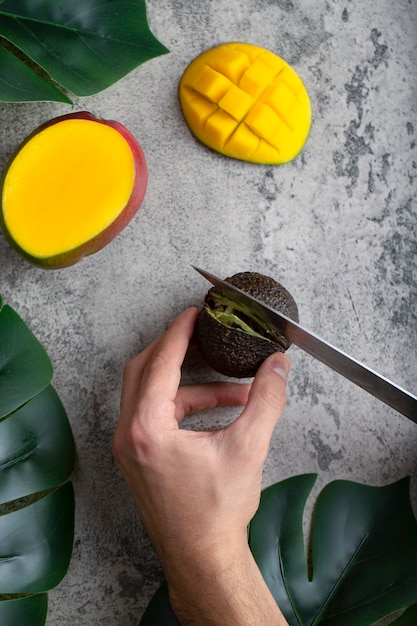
point(282, 367)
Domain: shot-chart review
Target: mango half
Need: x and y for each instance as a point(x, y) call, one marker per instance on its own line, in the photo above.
point(246, 102)
point(70, 188)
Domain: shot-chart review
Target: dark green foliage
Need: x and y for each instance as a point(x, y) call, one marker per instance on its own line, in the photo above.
point(25, 367)
point(31, 610)
point(37, 457)
point(363, 561)
point(82, 46)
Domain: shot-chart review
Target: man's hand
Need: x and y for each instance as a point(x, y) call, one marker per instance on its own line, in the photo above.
point(197, 491)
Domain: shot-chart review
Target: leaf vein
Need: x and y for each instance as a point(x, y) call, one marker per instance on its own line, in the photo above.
point(336, 584)
point(22, 20)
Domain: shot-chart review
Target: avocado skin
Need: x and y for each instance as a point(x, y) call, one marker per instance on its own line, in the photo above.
point(232, 352)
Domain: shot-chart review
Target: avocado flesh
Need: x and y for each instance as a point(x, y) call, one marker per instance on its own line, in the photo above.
point(230, 314)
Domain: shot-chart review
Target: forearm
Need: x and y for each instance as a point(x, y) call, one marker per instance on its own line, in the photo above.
point(223, 590)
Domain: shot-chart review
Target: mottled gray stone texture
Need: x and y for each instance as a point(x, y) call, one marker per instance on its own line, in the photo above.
point(337, 227)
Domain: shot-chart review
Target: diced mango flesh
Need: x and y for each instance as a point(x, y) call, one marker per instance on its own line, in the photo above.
point(247, 103)
point(66, 185)
point(236, 102)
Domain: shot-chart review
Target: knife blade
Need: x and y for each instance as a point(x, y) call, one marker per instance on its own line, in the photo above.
point(385, 390)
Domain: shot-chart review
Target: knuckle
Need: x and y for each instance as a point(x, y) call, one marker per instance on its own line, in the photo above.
point(247, 445)
point(273, 396)
point(252, 449)
point(144, 446)
point(135, 441)
point(140, 442)
point(158, 363)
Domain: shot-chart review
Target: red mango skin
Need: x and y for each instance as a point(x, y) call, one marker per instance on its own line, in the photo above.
point(71, 257)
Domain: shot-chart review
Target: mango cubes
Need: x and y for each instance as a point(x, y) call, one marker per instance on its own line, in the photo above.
point(247, 103)
point(70, 188)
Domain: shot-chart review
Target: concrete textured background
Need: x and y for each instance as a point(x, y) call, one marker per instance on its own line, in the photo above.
point(337, 227)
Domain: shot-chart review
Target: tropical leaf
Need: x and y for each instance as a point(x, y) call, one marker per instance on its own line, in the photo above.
point(408, 618)
point(363, 559)
point(36, 460)
point(36, 543)
point(36, 447)
point(83, 46)
point(363, 563)
point(25, 368)
point(30, 611)
point(19, 83)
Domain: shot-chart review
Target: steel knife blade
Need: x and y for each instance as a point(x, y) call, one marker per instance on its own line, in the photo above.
point(394, 396)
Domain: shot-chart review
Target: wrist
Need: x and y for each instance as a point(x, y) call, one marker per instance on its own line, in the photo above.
point(187, 562)
point(223, 581)
point(200, 587)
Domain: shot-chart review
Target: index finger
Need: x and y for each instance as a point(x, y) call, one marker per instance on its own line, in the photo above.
point(161, 375)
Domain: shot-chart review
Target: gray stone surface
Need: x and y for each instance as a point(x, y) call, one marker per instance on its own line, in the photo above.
point(338, 227)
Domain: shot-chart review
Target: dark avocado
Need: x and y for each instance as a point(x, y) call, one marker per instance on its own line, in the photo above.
point(232, 341)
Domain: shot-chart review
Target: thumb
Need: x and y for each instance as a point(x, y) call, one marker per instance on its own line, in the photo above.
point(267, 398)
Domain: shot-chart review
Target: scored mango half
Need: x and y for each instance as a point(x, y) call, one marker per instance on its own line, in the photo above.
point(247, 103)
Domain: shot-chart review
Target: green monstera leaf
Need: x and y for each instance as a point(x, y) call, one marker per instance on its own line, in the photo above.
point(37, 456)
point(408, 618)
point(31, 610)
point(34, 450)
point(24, 365)
point(82, 46)
point(36, 543)
point(363, 561)
point(362, 565)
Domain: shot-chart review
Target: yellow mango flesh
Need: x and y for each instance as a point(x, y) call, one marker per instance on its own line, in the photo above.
point(247, 103)
point(66, 185)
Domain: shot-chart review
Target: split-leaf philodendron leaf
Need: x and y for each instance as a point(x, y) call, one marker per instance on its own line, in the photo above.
point(408, 618)
point(34, 450)
point(363, 560)
point(362, 565)
point(37, 540)
point(48, 47)
point(37, 457)
point(24, 365)
point(30, 610)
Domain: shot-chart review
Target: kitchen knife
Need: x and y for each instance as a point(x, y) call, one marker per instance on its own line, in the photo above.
point(379, 386)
